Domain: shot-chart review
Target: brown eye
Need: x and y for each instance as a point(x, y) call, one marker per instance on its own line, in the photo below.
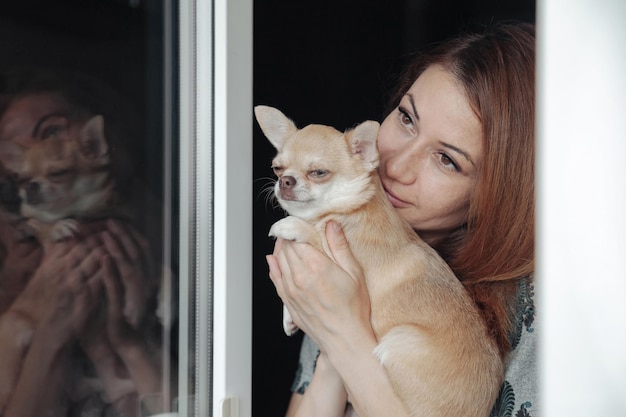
point(405, 118)
point(277, 170)
point(447, 162)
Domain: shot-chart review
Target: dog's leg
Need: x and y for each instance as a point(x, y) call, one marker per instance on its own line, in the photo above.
point(298, 230)
point(288, 325)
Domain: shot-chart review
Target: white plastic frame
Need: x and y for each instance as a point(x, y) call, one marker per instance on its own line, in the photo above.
point(216, 204)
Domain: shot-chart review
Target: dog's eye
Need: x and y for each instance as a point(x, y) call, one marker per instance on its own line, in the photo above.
point(51, 131)
point(277, 169)
point(60, 174)
point(318, 173)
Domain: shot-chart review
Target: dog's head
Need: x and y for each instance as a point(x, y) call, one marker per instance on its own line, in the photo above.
point(61, 173)
point(319, 169)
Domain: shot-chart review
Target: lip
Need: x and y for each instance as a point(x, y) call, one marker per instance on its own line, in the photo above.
point(395, 200)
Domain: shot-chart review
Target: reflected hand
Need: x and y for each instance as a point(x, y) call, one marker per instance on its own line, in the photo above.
point(68, 262)
point(130, 258)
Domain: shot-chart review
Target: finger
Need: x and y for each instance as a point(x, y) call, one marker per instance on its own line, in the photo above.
point(130, 268)
point(112, 287)
point(126, 241)
point(278, 246)
point(340, 248)
point(86, 268)
point(74, 252)
point(275, 273)
point(131, 271)
point(91, 227)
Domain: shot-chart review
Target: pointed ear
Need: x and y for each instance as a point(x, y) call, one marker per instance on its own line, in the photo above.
point(274, 124)
point(11, 155)
point(93, 144)
point(363, 143)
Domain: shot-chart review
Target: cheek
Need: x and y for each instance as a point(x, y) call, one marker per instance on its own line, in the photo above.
point(385, 142)
point(439, 205)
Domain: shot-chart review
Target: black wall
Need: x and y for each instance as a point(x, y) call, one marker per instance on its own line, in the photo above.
point(332, 62)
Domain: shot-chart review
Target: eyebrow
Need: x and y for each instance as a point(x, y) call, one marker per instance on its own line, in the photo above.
point(43, 120)
point(412, 101)
point(459, 151)
point(447, 145)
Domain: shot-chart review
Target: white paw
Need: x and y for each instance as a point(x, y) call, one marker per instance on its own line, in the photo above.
point(63, 229)
point(290, 228)
point(288, 325)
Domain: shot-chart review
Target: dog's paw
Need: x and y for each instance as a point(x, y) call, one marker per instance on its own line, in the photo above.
point(64, 229)
point(288, 325)
point(293, 228)
point(24, 231)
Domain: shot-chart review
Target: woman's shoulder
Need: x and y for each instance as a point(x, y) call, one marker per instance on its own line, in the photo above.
point(518, 394)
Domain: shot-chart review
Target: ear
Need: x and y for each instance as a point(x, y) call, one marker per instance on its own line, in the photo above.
point(92, 142)
point(11, 155)
point(363, 143)
point(274, 124)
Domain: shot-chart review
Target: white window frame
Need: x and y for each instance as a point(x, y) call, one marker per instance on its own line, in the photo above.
point(216, 204)
point(581, 201)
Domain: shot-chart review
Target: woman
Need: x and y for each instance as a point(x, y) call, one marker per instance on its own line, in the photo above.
point(457, 162)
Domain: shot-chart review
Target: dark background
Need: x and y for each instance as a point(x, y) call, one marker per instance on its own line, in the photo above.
point(332, 62)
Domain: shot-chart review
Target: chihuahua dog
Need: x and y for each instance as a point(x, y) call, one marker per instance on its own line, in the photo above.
point(63, 179)
point(432, 341)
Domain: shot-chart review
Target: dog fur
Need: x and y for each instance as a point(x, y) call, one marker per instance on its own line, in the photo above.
point(63, 179)
point(432, 341)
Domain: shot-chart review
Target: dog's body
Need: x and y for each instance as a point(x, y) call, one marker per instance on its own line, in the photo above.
point(64, 179)
point(432, 340)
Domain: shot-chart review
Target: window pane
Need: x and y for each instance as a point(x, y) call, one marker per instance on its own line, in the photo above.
point(89, 311)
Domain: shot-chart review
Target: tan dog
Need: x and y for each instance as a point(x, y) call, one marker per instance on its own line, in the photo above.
point(432, 340)
point(63, 179)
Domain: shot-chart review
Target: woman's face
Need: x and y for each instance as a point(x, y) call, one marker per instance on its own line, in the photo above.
point(430, 150)
point(29, 118)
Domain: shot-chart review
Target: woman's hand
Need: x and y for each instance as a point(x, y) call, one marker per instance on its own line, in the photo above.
point(327, 299)
point(133, 266)
point(76, 259)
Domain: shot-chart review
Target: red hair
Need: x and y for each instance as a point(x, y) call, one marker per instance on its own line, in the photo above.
point(496, 248)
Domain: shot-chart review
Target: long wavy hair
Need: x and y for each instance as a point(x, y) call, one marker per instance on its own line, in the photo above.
point(496, 247)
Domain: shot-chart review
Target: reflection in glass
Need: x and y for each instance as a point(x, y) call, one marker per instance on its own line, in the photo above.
point(87, 323)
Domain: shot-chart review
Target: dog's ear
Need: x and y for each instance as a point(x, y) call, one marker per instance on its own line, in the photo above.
point(362, 140)
point(274, 124)
point(93, 143)
point(11, 156)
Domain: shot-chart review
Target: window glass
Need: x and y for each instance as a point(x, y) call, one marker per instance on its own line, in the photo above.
point(88, 207)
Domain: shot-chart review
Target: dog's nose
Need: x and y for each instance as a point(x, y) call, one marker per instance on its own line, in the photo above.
point(287, 182)
point(33, 195)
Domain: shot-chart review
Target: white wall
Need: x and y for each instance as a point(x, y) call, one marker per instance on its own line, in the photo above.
point(582, 206)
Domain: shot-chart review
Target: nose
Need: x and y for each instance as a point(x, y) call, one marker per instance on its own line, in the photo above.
point(33, 195)
point(287, 182)
point(401, 165)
